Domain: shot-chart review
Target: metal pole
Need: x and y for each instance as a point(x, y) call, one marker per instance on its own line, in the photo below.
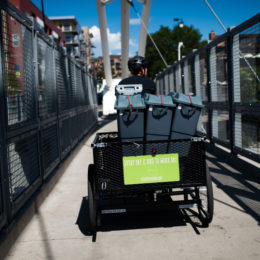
point(143, 33)
point(180, 44)
point(124, 36)
point(151, 38)
point(211, 9)
point(43, 17)
point(240, 52)
point(4, 185)
point(104, 41)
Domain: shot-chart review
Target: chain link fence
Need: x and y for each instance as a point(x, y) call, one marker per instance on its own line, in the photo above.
point(48, 103)
point(226, 75)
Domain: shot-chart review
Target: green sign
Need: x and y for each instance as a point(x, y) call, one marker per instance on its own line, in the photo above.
point(151, 169)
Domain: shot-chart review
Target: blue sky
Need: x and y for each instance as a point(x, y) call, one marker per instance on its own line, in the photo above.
point(193, 12)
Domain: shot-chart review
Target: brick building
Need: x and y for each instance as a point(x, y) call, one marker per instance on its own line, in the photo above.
point(29, 9)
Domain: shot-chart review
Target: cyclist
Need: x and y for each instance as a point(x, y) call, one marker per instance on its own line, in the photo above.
point(138, 68)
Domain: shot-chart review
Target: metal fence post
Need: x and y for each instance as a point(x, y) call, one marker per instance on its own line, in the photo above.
point(230, 91)
point(209, 94)
point(57, 100)
point(36, 89)
point(3, 128)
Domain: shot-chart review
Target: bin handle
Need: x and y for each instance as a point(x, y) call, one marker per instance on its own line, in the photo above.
point(188, 111)
point(159, 112)
point(130, 105)
point(129, 117)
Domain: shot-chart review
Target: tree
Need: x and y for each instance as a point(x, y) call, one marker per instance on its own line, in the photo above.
point(167, 41)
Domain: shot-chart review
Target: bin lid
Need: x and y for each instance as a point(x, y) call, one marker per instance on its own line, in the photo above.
point(129, 89)
point(180, 98)
point(160, 100)
point(122, 102)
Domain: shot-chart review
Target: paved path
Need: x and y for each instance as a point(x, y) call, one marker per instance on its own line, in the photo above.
point(233, 234)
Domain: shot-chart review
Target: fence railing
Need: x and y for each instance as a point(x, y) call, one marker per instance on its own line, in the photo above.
point(48, 103)
point(226, 75)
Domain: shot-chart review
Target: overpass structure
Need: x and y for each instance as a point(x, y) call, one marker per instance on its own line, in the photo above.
point(48, 106)
point(109, 97)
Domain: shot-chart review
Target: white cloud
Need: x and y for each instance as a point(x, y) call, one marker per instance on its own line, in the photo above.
point(114, 41)
point(135, 21)
point(132, 43)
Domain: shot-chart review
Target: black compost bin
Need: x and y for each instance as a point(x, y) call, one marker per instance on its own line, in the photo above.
point(130, 117)
point(186, 115)
point(158, 116)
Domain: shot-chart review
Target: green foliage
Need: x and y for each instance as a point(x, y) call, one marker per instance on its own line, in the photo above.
point(100, 72)
point(167, 41)
point(250, 87)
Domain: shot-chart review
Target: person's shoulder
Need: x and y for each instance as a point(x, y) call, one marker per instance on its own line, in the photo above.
point(129, 80)
point(148, 80)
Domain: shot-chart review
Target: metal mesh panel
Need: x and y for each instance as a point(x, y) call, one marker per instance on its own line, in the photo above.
point(203, 122)
point(46, 81)
point(171, 80)
point(90, 92)
point(236, 69)
point(166, 84)
point(94, 91)
point(19, 71)
point(85, 88)
point(157, 85)
point(74, 128)
point(82, 123)
point(161, 85)
point(92, 116)
point(178, 79)
point(247, 132)
point(50, 149)
point(203, 76)
point(79, 89)
point(213, 74)
point(187, 78)
point(220, 124)
point(23, 165)
point(249, 46)
point(65, 134)
point(108, 162)
point(73, 83)
point(222, 72)
point(61, 81)
point(197, 75)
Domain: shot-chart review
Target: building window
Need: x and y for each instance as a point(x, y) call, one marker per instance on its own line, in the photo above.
point(16, 40)
point(17, 70)
point(68, 38)
point(66, 26)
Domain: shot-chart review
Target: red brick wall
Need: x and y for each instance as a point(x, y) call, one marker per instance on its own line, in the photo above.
point(26, 6)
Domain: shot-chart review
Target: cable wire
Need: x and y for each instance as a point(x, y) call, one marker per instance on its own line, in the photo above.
point(156, 47)
point(241, 54)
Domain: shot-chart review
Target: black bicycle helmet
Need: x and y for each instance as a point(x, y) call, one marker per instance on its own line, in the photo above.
point(136, 63)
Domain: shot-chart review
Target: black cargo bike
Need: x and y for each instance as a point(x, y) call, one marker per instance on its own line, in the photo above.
point(170, 168)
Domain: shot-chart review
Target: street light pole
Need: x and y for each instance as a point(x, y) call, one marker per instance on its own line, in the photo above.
point(180, 44)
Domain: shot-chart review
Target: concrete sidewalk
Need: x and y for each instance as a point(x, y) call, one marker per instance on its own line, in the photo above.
point(53, 234)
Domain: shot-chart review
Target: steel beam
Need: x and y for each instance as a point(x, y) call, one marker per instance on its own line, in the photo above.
point(124, 36)
point(143, 33)
point(104, 41)
point(108, 93)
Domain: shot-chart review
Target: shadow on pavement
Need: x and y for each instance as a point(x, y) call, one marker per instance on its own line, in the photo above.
point(138, 220)
point(242, 187)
